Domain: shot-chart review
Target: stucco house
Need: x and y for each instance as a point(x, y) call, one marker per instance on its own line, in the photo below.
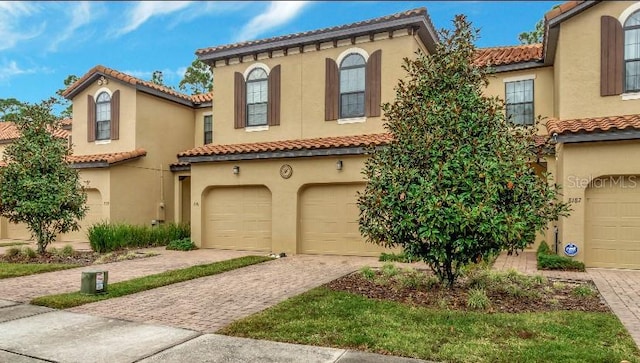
point(273, 161)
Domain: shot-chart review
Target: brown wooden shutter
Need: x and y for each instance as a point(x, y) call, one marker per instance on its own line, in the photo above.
point(331, 90)
point(372, 88)
point(611, 56)
point(240, 101)
point(273, 108)
point(115, 115)
point(91, 119)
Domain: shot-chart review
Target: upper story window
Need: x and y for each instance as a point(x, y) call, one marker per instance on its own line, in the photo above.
point(632, 53)
point(519, 102)
point(352, 86)
point(257, 97)
point(103, 116)
point(208, 129)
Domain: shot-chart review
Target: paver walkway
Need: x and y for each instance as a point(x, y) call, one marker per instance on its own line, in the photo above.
point(25, 288)
point(619, 288)
point(209, 303)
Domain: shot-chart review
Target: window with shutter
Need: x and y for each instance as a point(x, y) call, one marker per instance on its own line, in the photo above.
point(103, 116)
point(632, 53)
point(611, 58)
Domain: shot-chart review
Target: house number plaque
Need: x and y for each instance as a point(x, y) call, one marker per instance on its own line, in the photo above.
point(286, 171)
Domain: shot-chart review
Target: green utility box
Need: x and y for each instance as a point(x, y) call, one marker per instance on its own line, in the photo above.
point(94, 282)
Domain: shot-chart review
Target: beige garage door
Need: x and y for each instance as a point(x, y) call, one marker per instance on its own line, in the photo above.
point(18, 231)
point(238, 218)
point(329, 222)
point(613, 223)
point(94, 215)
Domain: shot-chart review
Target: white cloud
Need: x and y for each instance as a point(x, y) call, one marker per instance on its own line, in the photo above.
point(210, 8)
point(145, 10)
point(11, 15)
point(278, 13)
point(11, 69)
point(80, 16)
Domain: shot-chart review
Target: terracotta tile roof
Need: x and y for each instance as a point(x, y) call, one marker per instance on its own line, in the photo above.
point(124, 78)
point(497, 56)
point(288, 145)
point(109, 158)
point(9, 131)
point(561, 9)
point(401, 15)
point(202, 98)
point(593, 124)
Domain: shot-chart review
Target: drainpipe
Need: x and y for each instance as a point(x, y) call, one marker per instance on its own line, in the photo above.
point(555, 232)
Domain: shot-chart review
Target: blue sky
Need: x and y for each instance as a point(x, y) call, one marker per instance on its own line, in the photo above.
point(41, 43)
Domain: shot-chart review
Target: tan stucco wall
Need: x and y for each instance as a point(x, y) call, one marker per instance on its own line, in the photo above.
point(199, 126)
point(542, 90)
point(128, 107)
point(578, 165)
point(577, 67)
point(284, 192)
point(302, 92)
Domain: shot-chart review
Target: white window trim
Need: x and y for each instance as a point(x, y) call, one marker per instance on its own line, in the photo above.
point(256, 128)
point(103, 142)
point(627, 12)
point(344, 54)
point(524, 77)
point(103, 89)
point(254, 66)
point(630, 96)
point(352, 120)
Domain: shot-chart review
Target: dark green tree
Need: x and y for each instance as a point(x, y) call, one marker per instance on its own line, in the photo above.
point(37, 186)
point(68, 107)
point(534, 36)
point(455, 185)
point(9, 107)
point(158, 78)
point(197, 79)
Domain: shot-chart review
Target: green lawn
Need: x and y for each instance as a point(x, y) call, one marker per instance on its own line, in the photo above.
point(339, 319)
point(22, 269)
point(68, 300)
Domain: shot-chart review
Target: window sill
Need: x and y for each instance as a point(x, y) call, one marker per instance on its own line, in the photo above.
point(352, 120)
point(103, 142)
point(256, 128)
point(630, 96)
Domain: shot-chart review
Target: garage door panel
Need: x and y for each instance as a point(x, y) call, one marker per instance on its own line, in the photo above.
point(613, 226)
point(238, 218)
point(329, 221)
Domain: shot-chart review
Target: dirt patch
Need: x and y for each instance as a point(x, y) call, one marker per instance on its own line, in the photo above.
point(506, 294)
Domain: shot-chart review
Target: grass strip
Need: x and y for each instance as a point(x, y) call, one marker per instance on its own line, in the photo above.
point(9, 244)
point(325, 317)
point(68, 300)
point(8, 269)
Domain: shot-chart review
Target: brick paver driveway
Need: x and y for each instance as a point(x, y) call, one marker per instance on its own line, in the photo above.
point(619, 288)
point(209, 303)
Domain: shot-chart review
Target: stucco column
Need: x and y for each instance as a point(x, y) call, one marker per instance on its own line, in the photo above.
point(284, 215)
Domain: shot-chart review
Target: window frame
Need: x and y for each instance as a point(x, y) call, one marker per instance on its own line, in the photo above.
point(208, 133)
point(532, 102)
point(265, 103)
point(626, 28)
point(99, 104)
point(363, 67)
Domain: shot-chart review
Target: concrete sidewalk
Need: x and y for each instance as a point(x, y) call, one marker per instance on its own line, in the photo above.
point(30, 334)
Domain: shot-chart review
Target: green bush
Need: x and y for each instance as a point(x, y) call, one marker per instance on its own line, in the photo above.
point(29, 252)
point(478, 299)
point(368, 273)
point(12, 252)
point(105, 237)
point(583, 291)
point(543, 248)
point(185, 244)
point(555, 262)
point(67, 250)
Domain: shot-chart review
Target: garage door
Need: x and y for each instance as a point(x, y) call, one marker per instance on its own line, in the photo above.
point(18, 231)
point(94, 215)
point(329, 222)
point(613, 223)
point(238, 218)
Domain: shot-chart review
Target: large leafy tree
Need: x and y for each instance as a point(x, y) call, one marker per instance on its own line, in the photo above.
point(455, 185)
point(197, 79)
point(534, 36)
point(37, 186)
point(68, 107)
point(9, 107)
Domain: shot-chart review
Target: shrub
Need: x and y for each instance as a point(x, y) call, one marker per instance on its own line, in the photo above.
point(396, 257)
point(185, 244)
point(29, 252)
point(478, 299)
point(583, 291)
point(555, 262)
point(105, 237)
point(12, 252)
point(389, 270)
point(67, 250)
point(411, 279)
point(543, 248)
point(368, 273)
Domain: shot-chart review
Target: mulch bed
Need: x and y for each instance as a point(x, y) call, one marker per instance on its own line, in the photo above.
point(81, 258)
point(546, 297)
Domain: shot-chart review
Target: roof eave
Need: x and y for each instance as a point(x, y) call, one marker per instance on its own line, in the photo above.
point(516, 66)
point(426, 33)
point(593, 136)
point(552, 31)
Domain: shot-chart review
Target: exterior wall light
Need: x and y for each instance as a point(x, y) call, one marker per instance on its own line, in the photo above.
point(236, 169)
point(339, 165)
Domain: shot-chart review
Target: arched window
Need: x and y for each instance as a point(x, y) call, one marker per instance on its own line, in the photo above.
point(103, 116)
point(632, 53)
point(257, 97)
point(352, 85)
